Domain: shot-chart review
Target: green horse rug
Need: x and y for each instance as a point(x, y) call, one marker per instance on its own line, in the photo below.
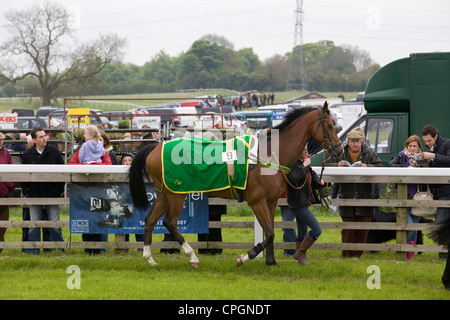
point(204, 165)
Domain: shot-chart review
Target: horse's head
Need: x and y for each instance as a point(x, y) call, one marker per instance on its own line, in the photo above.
point(325, 134)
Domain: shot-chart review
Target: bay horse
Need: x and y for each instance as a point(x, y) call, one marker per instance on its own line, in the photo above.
point(262, 190)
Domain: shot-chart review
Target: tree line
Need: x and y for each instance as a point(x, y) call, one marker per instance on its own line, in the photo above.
point(210, 64)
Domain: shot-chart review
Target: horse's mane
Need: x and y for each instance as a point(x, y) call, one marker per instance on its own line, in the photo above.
point(293, 115)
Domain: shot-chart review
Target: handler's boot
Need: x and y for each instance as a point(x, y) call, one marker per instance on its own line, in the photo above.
point(297, 245)
point(300, 254)
point(410, 254)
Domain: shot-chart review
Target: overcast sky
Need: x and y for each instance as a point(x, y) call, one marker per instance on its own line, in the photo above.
point(387, 29)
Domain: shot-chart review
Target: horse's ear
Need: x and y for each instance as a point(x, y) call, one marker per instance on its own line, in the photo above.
point(325, 107)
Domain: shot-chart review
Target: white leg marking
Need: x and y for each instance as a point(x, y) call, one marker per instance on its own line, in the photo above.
point(147, 255)
point(243, 258)
point(190, 253)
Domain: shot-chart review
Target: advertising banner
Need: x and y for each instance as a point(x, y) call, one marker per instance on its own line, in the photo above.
point(73, 119)
point(103, 208)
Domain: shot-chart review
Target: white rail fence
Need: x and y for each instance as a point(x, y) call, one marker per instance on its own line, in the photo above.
point(399, 176)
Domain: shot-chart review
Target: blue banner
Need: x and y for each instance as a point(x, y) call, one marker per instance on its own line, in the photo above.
point(103, 208)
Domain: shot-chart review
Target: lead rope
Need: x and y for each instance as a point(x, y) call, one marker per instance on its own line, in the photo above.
point(285, 177)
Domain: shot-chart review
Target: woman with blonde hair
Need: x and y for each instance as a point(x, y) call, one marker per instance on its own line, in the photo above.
point(408, 158)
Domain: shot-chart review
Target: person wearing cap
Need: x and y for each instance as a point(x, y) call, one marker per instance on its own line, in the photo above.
point(356, 151)
point(5, 187)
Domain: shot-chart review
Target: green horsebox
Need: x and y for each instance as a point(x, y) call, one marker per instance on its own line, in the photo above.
point(400, 99)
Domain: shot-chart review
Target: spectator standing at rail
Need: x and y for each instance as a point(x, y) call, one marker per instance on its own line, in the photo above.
point(408, 158)
point(5, 187)
point(355, 151)
point(439, 156)
point(42, 153)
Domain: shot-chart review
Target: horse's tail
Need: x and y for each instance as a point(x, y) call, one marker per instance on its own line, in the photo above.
point(441, 233)
point(136, 173)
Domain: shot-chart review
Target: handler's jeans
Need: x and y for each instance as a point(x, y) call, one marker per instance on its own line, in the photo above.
point(34, 234)
point(304, 219)
point(289, 235)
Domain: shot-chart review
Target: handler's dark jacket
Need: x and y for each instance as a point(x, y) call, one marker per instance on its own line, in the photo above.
point(50, 155)
point(442, 151)
point(305, 177)
point(357, 190)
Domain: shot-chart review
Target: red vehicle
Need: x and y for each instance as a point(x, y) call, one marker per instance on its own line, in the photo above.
point(194, 103)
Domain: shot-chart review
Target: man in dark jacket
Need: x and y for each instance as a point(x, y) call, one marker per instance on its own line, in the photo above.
point(356, 152)
point(42, 153)
point(439, 156)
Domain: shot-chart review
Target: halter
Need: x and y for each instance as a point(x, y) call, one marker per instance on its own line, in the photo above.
point(326, 137)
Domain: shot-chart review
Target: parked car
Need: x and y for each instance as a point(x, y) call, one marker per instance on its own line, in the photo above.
point(255, 118)
point(118, 115)
point(194, 103)
point(226, 109)
point(212, 100)
point(31, 123)
point(44, 111)
point(23, 112)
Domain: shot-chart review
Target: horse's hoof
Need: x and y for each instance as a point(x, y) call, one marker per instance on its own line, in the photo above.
point(150, 261)
point(241, 260)
point(195, 265)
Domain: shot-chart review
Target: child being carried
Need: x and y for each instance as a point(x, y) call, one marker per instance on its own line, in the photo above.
point(92, 150)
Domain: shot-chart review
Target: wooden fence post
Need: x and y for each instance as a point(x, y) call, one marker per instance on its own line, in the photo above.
point(119, 239)
point(402, 194)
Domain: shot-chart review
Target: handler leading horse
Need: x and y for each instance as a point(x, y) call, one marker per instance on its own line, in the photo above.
point(262, 191)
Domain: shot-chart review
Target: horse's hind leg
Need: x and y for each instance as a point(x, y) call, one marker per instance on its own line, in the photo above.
point(265, 219)
point(161, 205)
point(171, 221)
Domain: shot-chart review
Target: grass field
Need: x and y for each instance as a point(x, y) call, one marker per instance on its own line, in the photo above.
point(127, 276)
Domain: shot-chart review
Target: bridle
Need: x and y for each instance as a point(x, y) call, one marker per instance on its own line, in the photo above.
point(327, 143)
